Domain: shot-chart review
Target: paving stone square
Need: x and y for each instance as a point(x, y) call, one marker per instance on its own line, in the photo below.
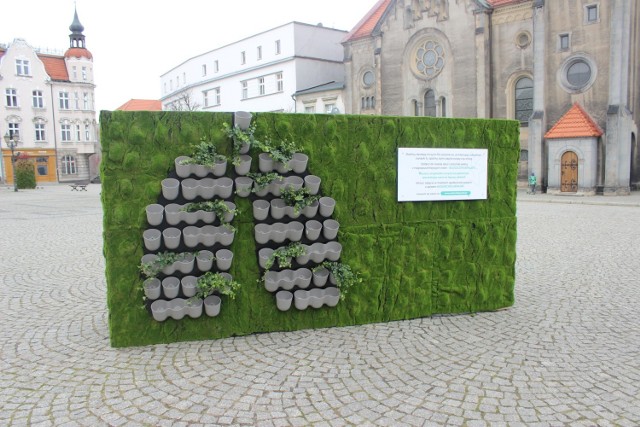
point(567, 352)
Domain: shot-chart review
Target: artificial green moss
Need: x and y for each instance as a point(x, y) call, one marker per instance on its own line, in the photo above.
point(416, 259)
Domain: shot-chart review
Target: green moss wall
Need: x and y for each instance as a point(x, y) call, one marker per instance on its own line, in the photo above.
point(417, 259)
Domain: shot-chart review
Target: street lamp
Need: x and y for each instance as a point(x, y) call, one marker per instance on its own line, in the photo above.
point(12, 137)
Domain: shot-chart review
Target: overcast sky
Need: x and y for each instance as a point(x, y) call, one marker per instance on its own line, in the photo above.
point(133, 42)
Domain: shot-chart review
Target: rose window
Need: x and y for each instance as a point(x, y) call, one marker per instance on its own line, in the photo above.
point(429, 59)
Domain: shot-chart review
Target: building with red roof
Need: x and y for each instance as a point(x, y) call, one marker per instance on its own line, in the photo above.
point(49, 105)
point(141, 105)
point(561, 68)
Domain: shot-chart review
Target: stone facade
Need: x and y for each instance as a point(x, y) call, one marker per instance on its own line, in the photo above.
point(529, 60)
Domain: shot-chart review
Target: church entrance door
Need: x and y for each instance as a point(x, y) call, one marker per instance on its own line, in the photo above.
point(569, 172)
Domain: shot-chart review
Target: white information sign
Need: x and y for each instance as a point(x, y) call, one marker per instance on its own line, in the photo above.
point(442, 174)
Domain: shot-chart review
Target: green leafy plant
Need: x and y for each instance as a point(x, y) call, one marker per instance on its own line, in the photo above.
point(344, 276)
point(204, 153)
point(163, 259)
point(299, 199)
point(210, 283)
point(284, 255)
point(262, 180)
point(240, 137)
point(24, 173)
point(218, 206)
point(282, 151)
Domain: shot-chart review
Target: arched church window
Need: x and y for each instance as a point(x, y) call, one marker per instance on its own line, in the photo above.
point(429, 58)
point(524, 100)
point(416, 108)
point(429, 104)
point(443, 107)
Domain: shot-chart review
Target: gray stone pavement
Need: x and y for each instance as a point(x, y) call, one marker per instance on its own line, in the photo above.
point(567, 353)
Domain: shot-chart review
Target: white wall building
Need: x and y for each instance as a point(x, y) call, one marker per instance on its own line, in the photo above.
point(259, 73)
point(49, 101)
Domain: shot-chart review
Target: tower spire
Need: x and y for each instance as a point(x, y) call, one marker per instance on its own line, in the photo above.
point(76, 38)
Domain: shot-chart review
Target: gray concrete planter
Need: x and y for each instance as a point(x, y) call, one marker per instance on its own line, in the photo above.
point(224, 258)
point(319, 252)
point(212, 305)
point(152, 239)
point(170, 287)
point(287, 279)
point(170, 188)
point(152, 288)
point(284, 300)
point(155, 214)
point(189, 285)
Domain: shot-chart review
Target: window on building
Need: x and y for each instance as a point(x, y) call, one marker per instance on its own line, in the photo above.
point(42, 166)
point(40, 135)
point(184, 78)
point(261, 85)
point(38, 99)
point(68, 163)
point(216, 66)
point(245, 90)
point(328, 108)
point(443, 106)
point(87, 132)
point(205, 98)
point(278, 47)
point(564, 42)
point(76, 99)
point(592, 13)
point(216, 96)
point(84, 73)
point(12, 97)
point(524, 100)
point(309, 109)
point(429, 103)
point(259, 53)
point(14, 129)
point(416, 107)
point(65, 132)
point(63, 97)
point(165, 87)
point(579, 74)
point(279, 82)
point(85, 100)
point(78, 134)
point(243, 57)
point(74, 70)
point(204, 70)
point(171, 85)
point(22, 67)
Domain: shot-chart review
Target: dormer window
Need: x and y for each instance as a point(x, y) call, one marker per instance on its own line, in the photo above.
point(22, 67)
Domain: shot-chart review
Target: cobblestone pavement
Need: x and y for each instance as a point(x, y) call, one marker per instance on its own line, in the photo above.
point(567, 353)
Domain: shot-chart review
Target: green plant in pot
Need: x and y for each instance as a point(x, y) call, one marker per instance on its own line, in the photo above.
point(205, 153)
point(241, 138)
point(262, 180)
point(343, 275)
point(217, 206)
point(163, 259)
point(298, 199)
point(281, 151)
point(211, 283)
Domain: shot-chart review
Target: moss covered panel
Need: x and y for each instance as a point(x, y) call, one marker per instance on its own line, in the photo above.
point(417, 259)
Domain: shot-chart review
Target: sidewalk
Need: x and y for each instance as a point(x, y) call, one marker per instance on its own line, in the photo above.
point(632, 200)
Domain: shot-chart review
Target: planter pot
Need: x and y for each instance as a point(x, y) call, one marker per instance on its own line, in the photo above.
point(244, 148)
point(190, 188)
point(262, 233)
point(152, 288)
point(298, 162)
point(287, 279)
point(224, 257)
point(225, 236)
point(327, 205)
point(176, 215)
point(208, 235)
point(312, 229)
point(294, 182)
point(243, 186)
point(170, 287)
point(301, 299)
point(191, 236)
point(173, 213)
point(311, 210)
point(275, 186)
point(281, 168)
point(320, 277)
point(261, 210)
point(201, 171)
point(152, 239)
point(228, 217)
point(244, 166)
point(185, 265)
point(330, 229)
point(189, 285)
point(312, 183)
point(177, 308)
point(331, 296)
point(194, 307)
point(242, 119)
point(263, 256)
point(220, 168)
point(183, 171)
point(170, 188)
point(204, 260)
point(278, 209)
point(159, 310)
point(332, 251)
point(171, 237)
point(212, 305)
point(265, 162)
point(224, 188)
point(284, 300)
point(155, 214)
point(316, 298)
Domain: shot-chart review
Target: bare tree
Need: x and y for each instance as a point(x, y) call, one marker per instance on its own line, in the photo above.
point(185, 102)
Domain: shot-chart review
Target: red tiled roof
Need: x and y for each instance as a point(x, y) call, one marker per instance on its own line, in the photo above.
point(78, 52)
point(369, 22)
point(141, 105)
point(55, 67)
point(574, 124)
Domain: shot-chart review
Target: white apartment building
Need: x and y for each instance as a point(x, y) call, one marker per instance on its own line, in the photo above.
point(49, 100)
point(258, 73)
